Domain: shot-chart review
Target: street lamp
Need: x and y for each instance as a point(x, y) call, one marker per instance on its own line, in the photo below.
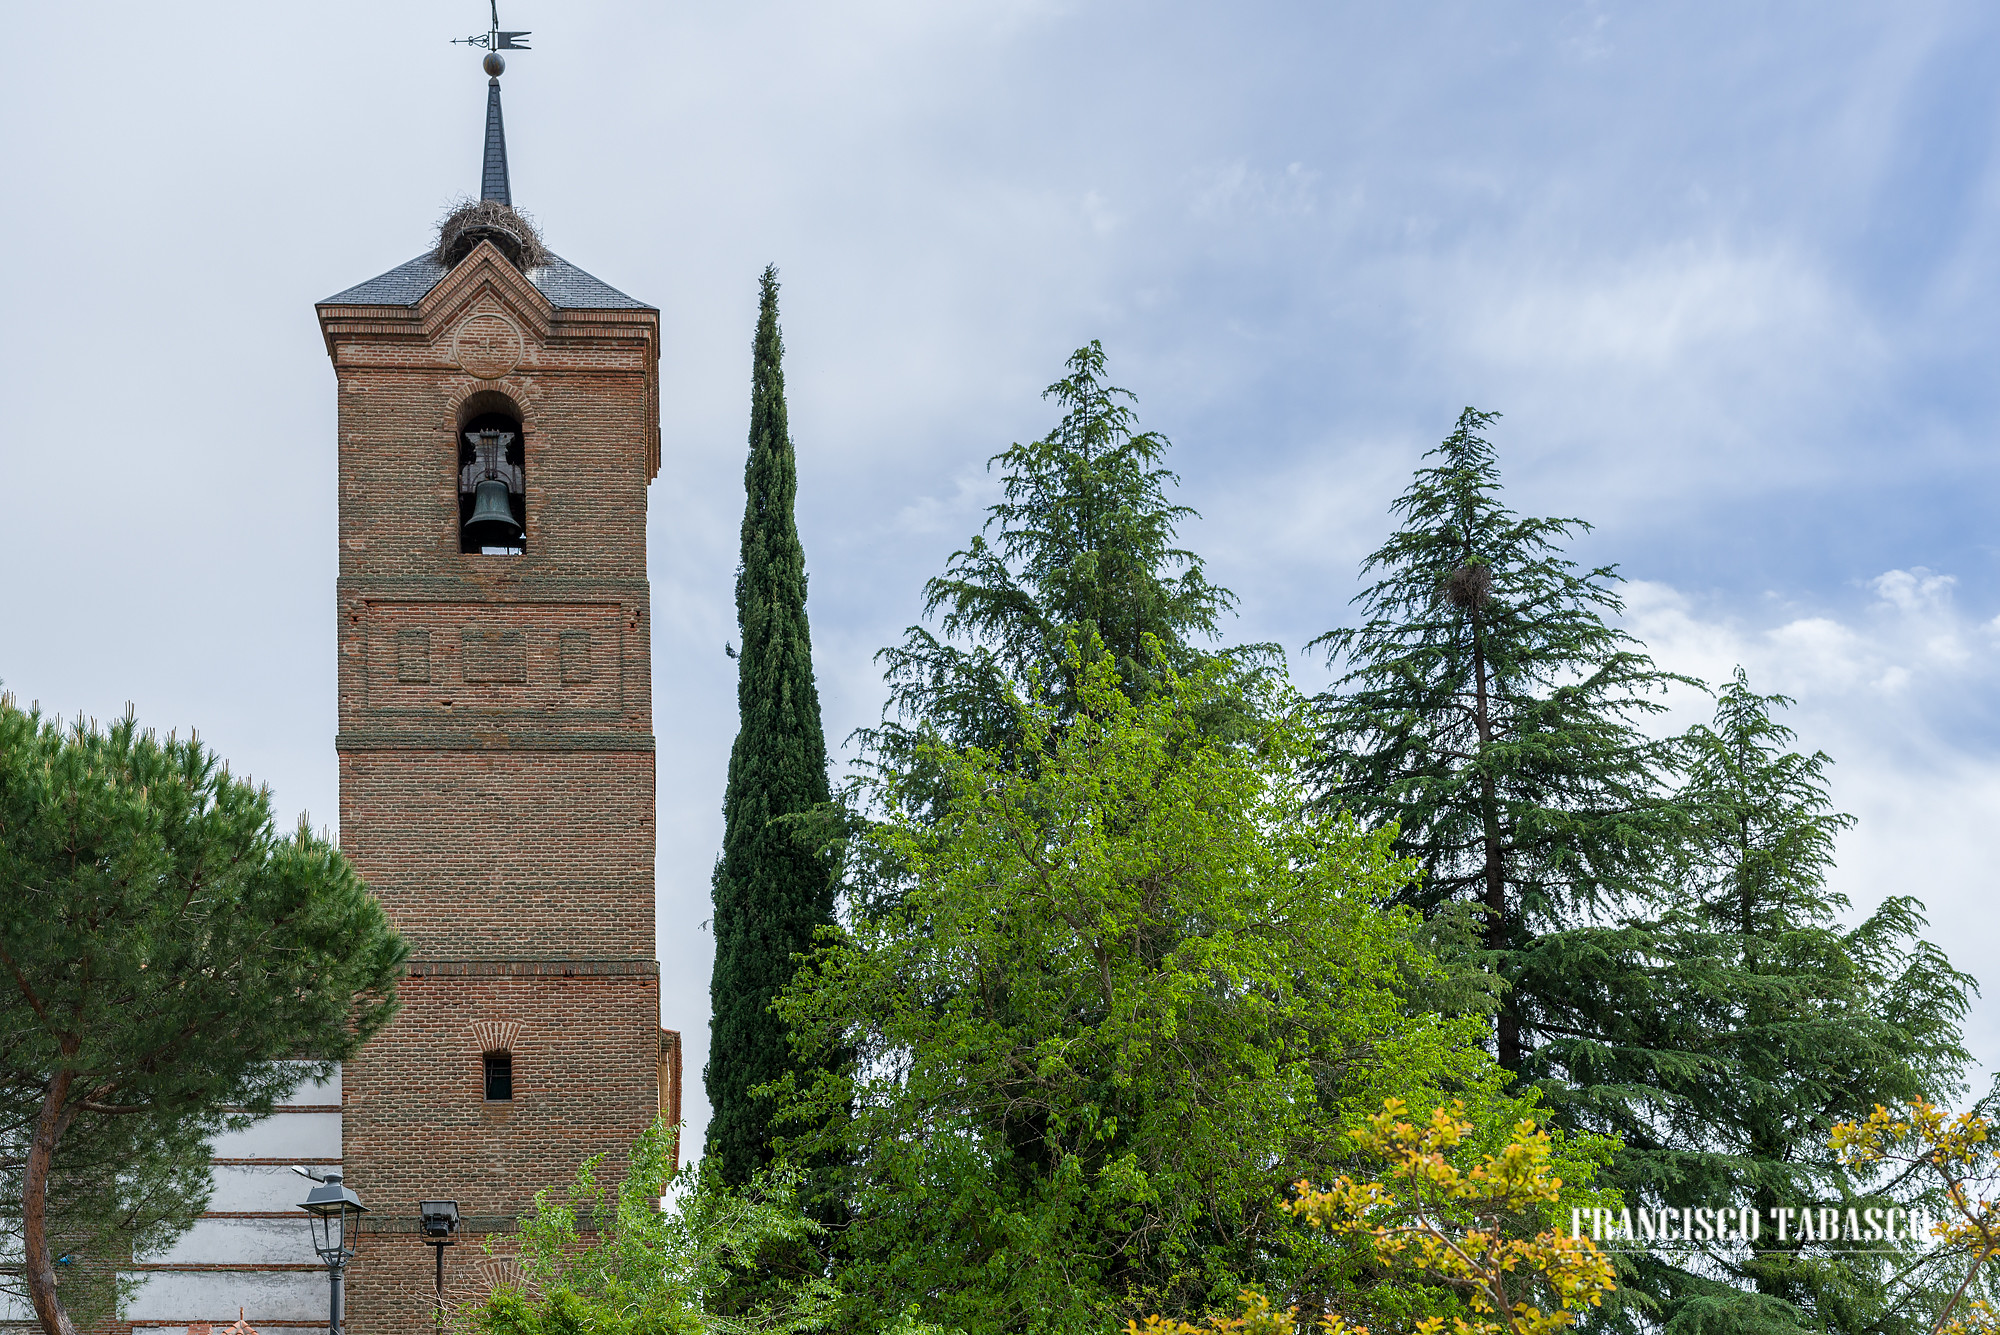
point(440, 1221)
point(335, 1212)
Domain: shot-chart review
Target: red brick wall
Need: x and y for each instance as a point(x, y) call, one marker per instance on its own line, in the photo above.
point(506, 854)
point(585, 1050)
point(496, 764)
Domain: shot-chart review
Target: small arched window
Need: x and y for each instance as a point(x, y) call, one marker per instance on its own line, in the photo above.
point(492, 486)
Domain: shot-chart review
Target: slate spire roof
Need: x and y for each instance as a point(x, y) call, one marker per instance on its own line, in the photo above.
point(566, 286)
point(493, 175)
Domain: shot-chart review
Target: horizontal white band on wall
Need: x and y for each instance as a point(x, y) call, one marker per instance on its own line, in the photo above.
point(317, 1092)
point(215, 1295)
point(263, 1188)
point(295, 1136)
point(241, 1242)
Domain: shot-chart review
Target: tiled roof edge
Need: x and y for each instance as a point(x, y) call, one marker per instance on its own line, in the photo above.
point(565, 285)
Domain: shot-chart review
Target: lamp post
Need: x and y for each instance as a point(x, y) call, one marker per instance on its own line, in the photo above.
point(335, 1213)
point(440, 1219)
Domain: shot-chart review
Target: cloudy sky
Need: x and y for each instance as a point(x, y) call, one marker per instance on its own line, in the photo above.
point(1727, 270)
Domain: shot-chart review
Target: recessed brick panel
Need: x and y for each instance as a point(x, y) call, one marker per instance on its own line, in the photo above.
point(493, 659)
point(489, 654)
point(413, 657)
point(577, 659)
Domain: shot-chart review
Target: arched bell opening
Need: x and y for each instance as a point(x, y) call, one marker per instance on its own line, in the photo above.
point(492, 478)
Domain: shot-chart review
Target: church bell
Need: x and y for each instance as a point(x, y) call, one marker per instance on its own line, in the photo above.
point(493, 513)
point(492, 483)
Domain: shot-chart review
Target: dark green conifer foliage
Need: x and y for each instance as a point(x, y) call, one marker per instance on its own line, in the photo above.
point(173, 966)
point(1722, 1037)
point(1489, 710)
point(1082, 545)
point(773, 889)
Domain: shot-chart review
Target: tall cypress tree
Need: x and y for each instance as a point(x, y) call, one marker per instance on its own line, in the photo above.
point(773, 889)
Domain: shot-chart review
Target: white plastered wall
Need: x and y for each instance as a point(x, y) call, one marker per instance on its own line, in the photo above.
point(251, 1253)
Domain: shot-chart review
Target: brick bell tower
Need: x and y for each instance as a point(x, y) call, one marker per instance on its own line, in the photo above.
point(498, 427)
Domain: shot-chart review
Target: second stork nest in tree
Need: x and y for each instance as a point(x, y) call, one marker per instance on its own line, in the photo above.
point(1469, 587)
point(474, 220)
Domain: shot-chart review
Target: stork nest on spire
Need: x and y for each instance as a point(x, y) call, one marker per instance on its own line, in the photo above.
point(471, 221)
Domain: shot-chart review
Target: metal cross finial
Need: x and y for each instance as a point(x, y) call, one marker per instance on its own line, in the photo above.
point(493, 39)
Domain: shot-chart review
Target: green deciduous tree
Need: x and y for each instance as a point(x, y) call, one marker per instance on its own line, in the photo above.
point(1723, 1035)
point(773, 888)
point(598, 1262)
point(169, 966)
point(1083, 547)
point(1490, 711)
point(1135, 987)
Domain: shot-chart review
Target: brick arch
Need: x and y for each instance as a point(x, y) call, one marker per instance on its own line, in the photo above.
point(496, 1035)
point(493, 1271)
point(509, 399)
point(517, 394)
point(489, 400)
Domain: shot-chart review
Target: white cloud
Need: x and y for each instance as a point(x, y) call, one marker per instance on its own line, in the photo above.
point(1657, 309)
point(1915, 590)
point(1228, 193)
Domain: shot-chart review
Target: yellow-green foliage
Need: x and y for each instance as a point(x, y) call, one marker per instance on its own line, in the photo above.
point(1452, 1224)
point(1959, 1154)
point(1439, 1223)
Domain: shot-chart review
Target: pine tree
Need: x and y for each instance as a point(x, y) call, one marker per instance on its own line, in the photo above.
point(1722, 1037)
point(1677, 972)
point(1082, 546)
point(773, 889)
point(1489, 710)
point(173, 967)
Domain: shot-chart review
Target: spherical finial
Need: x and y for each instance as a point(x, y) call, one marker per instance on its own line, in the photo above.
point(494, 63)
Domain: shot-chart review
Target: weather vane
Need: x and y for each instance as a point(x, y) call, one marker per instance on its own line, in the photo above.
point(493, 39)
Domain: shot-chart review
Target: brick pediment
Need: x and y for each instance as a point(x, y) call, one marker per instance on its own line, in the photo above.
point(484, 280)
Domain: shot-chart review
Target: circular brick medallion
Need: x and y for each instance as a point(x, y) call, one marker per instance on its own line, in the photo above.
point(487, 345)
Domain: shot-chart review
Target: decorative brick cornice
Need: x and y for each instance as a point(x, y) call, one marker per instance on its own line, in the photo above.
point(544, 968)
point(484, 739)
point(519, 588)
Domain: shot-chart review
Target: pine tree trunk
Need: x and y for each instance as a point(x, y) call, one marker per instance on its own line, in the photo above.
point(40, 1258)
